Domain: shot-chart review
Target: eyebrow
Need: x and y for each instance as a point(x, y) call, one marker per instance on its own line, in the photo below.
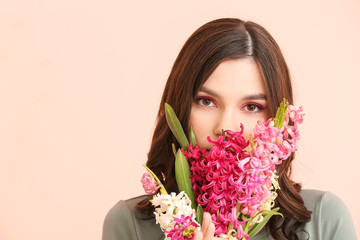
point(257, 96)
point(208, 91)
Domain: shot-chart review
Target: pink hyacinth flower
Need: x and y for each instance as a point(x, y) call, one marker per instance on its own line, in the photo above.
point(184, 228)
point(295, 114)
point(229, 180)
point(149, 183)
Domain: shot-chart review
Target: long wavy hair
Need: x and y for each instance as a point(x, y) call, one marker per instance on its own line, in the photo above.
point(206, 48)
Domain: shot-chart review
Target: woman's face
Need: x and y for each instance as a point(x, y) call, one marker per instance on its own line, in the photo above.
point(233, 94)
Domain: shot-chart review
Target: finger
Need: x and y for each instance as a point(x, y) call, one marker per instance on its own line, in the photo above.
point(208, 228)
point(210, 231)
point(198, 235)
point(206, 222)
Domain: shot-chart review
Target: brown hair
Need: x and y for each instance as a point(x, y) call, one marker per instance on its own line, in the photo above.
point(207, 47)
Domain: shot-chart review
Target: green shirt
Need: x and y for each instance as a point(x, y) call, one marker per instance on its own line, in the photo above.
point(330, 220)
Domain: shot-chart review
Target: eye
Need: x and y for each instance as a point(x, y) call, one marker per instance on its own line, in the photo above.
point(205, 101)
point(251, 107)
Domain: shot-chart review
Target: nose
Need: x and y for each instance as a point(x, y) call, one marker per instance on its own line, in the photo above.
point(228, 119)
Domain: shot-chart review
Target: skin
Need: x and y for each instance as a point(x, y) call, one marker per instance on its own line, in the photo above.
point(207, 229)
point(233, 94)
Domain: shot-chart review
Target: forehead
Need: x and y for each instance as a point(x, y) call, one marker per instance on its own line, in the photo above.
point(236, 77)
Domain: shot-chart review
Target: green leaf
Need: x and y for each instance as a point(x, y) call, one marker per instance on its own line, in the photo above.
point(192, 136)
point(175, 126)
point(182, 174)
point(246, 226)
point(173, 149)
point(162, 188)
point(280, 114)
point(259, 226)
point(199, 214)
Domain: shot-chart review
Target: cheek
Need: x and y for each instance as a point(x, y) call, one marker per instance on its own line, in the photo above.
point(247, 132)
point(202, 127)
point(198, 125)
point(249, 123)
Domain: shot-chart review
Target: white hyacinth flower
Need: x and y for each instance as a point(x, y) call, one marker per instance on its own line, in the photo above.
point(170, 206)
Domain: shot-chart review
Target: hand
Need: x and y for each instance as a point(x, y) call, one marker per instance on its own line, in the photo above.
point(207, 230)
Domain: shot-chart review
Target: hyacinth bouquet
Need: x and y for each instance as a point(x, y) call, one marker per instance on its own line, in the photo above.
point(235, 181)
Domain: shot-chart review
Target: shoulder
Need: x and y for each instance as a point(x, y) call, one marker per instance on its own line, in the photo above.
point(123, 210)
point(330, 218)
point(124, 221)
point(314, 199)
point(323, 202)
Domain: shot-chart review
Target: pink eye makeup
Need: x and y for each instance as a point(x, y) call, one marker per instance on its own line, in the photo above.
point(253, 107)
point(205, 101)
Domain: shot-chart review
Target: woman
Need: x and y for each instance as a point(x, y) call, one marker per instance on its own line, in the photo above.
point(229, 72)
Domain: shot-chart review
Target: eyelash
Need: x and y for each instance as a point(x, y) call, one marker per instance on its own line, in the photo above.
point(258, 106)
point(198, 99)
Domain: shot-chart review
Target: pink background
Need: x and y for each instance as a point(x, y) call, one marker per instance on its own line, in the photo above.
point(80, 85)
